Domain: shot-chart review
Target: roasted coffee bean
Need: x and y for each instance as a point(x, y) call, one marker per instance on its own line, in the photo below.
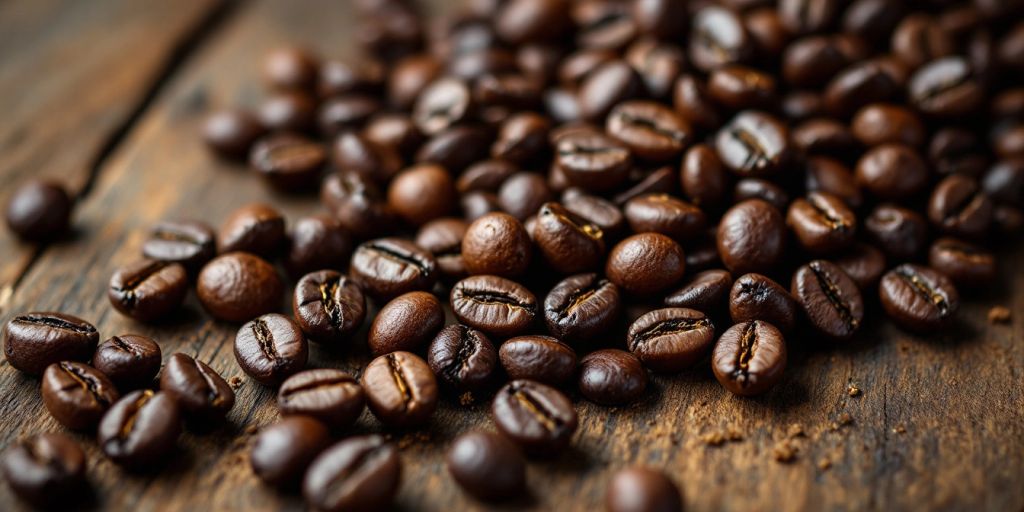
point(568, 243)
point(463, 357)
point(388, 267)
point(812, 61)
point(493, 304)
point(238, 287)
point(892, 171)
point(954, 150)
point(328, 306)
point(359, 473)
point(400, 389)
point(202, 394)
point(703, 177)
point(757, 297)
point(966, 264)
point(148, 290)
point(337, 77)
point(754, 144)
point(598, 211)
point(832, 177)
point(864, 263)
point(919, 39)
point(822, 223)
point(289, 162)
point(255, 228)
point(287, 112)
point(872, 19)
point(354, 153)
point(422, 193)
point(442, 104)
point(357, 204)
point(395, 131)
point(767, 30)
point(339, 114)
point(409, 77)
point(901, 233)
point(749, 358)
point(317, 242)
point(538, 358)
point(477, 204)
point(918, 298)
point(582, 307)
point(521, 138)
point(946, 87)
point(190, 243)
point(36, 340)
point(1009, 141)
point(39, 211)
point(284, 450)
point(1004, 181)
point(270, 348)
point(523, 193)
point(486, 465)
point(77, 394)
point(831, 300)
point(331, 396)
point(650, 130)
point(645, 264)
point(740, 87)
point(717, 38)
point(498, 244)
point(485, 176)
point(662, 213)
point(456, 148)
point(443, 238)
point(140, 430)
point(290, 68)
point(824, 136)
point(705, 291)
point(538, 418)
point(612, 377)
point(576, 66)
point(46, 470)
point(860, 84)
point(671, 339)
point(231, 133)
point(591, 160)
point(640, 489)
point(607, 86)
point(129, 360)
point(882, 123)
point(659, 65)
point(959, 207)
point(406, 323)
point(691, 101)
point(807, 16)
point(751, 237)
point(662, 180)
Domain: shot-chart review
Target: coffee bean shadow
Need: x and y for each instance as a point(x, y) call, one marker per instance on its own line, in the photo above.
point(188, 314)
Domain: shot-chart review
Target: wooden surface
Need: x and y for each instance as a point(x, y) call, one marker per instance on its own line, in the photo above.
point(938, 422)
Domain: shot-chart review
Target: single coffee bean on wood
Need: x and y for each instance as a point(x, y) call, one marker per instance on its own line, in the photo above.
point(612, 377)
point(487, 466)
point(270, 348)
point(129, 360)
point(201, 393)
point(918, 298)
point(401, 390)
point(39, 211)
point(463, 358)
point(538, 418)
point(284, 450)
point(671, 339)
point(359, 473)
point(36, 340)
point(538, 358)
point(140, 430)
point(749, 358)
point(77, 395)
point(331, 396)
point(328, 306)
point(640, 489)
point(406, 323)
point(148, 290)
point(46, 470)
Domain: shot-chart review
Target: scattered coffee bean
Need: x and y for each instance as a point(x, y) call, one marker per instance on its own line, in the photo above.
point(662, 213)
point(45, 470)
point(671, 339)
point(39, 211)
point(487, 466)
point(148, 290)
point(705, 291)
point(751, 237)
point(388, 267)
point(270, 348)
point(255, 228)
point(822, 223)
point(538, 418)
point(422, 193)
point(231, 133)
point(538, 358)
point(140, 430)
point(645, 264)
point(190, 243)
point(612, 377)
point(651, 131)
point(864, 264)
point(640, 489)
point(36, 340)
point(400, 389)
point(831, 300)
point(463, 358)
point(359, 473)
point(406, 323)
point(331, 396)
point(201, 393)
point(289, 162)
point(582, 307)
point(498, 244)
point(568, 242)
point(129, 360)
point(892, 172)
point(918, 298)
point(591, 160)
point(443, 238)
point(749, 358)
point(899, 232)
point(77, 394)
point(317, 242)
point(754, 144)
point(959, 207)
point(238, 287)
point(966, 264)
point(495, 305)
point(328, 306)
point(284, 450)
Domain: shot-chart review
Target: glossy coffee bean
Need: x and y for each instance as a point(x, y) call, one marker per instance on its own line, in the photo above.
point(359, 473)
point(285, 113)
point(353, 153)
point(864, 263)
point(498, 244)
point(239, 286)
point(463, 358)
point(523, 193)
point(812, 61)
point(521, 138)
point(659, 65)
point(740, 87)
point(342, 113)
point(422, 193)
point(331, 396)
point(538, 418)
point(200, 391)
point(757, 188)
point(607, 86)
point(270, 348)
point(671, 339)
point(705, 291)
point(918, 298)
point(409, 77)
point(830, 299)
point(749, 358)
point(640, 489)
point(140, 430)
point(77, 394)
point(806, 16)
point(231, 133)
point(485, 176)
point(751, 237)
point(703, 177)
point(290, 68)
point(190, 243)
point(582, 307)
point(946, 87)
point(757, 297)
point(824, 136)
point(401, 390)
point(289, 162)
point(592, 160)
point(39, 211)
point(494, 305)
point(717, 38)
point(645, 264)
point(959, 207)
point(650, 130)
point(662, 213)
point(456, 148)
point(966, 264)
point(442, 104)
point(892, 171)
point(328, 306)
point(569, 243)
point(882, 123)
point(919, 39)
point(406, 323)
point(857, 85)
point(754, 144)
point(148, 290)
point(254, 228)
point(285, 449)
point(317, 242)
point(832, 177)
point(443, 238)
point(395, 131)
point(129, 360)
point(36, 340)
point(487, 466)
point(822, 223)
point(538, 358)
point(901, 233)
point(45, 470)
point(598, 211)
point(388, 267)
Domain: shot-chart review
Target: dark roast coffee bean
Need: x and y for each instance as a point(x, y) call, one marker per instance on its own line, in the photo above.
point(254, 228)
point(289, 162)
point(407, 323)
point(591, 160)
point(740, 87)
point(645, 264)
point(422, 193)
point(882, 123)
point(77, 394)
point(400, 389)
point(409, 77)
point(892, 171)
point(966, 264)
point(813, 60)
point(822, 223)
point(639, 489)
point(456, 148)
point(486, 465)
point(148, 290)
point(443, 238)
point(946, 87)
point(45, 470)
point(754, 144)
point(395, 131)
point(270, 348)
point(190, 243)
point(662, 213)
point(284, 450)
point(328, 306)
point(538, 358)
point(598, 211)
point(388, 267)
point(824, 136)
point(582, 307)
point(36, 340)
point(717, 38)
point(749, 358)
point(757, 297)
point(954, 150)
point(337, 77)
point(317, 242)
point(538, 418)
point(830, 299)
point(612, 377)
point(899, 232)
point(140, 430)
point(359, 473)
point(523, 193)
point(442, 104)
point(129, 360)
point(353, 153)
point(521, 138)
point(751, 237)
point(498, 244)
point(39, 210)
point(231, 133)
point(290, 68)
point(336, 115)
point(705, 291)
point(918, 298)
point(662, 180)
point(670, 339)
point(285, 113)
point(1004, 181)
point(568, 242)
point(659, 65)
point(605, 87)
point(806, 16)
point(200, 391)
point(859, 84)
point(331, 396)
point(463, 357)
point(919, 39)
point(864, 263)
point(959, 207)
point(832, 177)
point(485, 176)
point(238, 286)
point(767, 30)
point(357, 204)
point(691, 100)
point(703, 177)
point(495, 305)
point(650, 130)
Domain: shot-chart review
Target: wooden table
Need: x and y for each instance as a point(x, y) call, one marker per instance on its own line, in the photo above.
point(108, 96)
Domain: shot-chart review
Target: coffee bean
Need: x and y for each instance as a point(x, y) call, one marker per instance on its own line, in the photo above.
point(388, 267)
point(140, 430)
point(77, 394)
point(190, 243)
point(830, 299)
point(317, 242)
point(422, 193)
point(495, 305)
point(659, 65)
point(582, 307)
point(899, 232)
point(864, 263)
point(691, 100)
point(395, 131)
point(740, 87)
point(872, 19)
point(751, 237)
point(607, 86)
point(860, 84)
point(598, 211)
point(568, 242)
point(919, 39)
point(442, 104)
point(485, 176)
point(287, 112)
point(754, 144)
point(592, 160)
point(407, 322)
point(671, 339)
point(39, 211)
point(650, 130)
point(231, 133)
point(645, 264)
point(523, 193)
point(918, 298)
point(703, 177)
point(289, 162)
point(201, 393)
point(343, 113)
point(463, 357)
point(812, 61)
point(359, 473)
point(946, 87)
point(45, 470)
point(538, 418)
point(757, 297)
point(954, 150)
point(498, 244)
point(538, 358)
point(148, 290)
point(832, 177)
point(255, 228)
point(129, 360)
point(749, 358)
point(409, 77)
point(353, 153)
point(822, 223)
point(522, 138)
point(959, 207)
point(966, 264)
point(36, 340)
point(824, 136)
point(337, 77)
point(456, 148)
point(662, 213)
point(1004, 181)
point(290, 68)
point(328, 306)
point(443, 238)
point(270, 348)
point(331, 396)
point(883, 123)
point(284, 450)
point(239, 286)
point(487, 466)
point(705, 291)
point(717, 38)
point(757, 188)
point(400, 389)
point(357, 204)
point(640, 489)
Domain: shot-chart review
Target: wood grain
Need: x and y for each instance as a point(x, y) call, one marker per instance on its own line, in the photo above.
point(938, 422)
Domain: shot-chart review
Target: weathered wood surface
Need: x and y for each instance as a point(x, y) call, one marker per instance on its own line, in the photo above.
point(939, 422)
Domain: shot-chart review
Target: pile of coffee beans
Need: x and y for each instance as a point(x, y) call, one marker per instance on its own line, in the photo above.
point(593, 190)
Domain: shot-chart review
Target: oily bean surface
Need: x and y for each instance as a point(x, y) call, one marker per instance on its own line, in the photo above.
point(285, 449)
point(328, 306)
point(581, 307)
point(271, 348)
point(400, 388)
point(331, 396)
point(758, 297)
point(129, 360)
point(46, 469)
point(671, 339)
point(494, 305)
point(538, 418)
point(388, 267)
point(140, 430)
point(538, 358)
point(359, 473)
point(612, 377)
point(749, 358)
point(200, 391)
point(463, 358)
point(148, 290)
point(34, 341)
point(830, 299)
point(406, 323)
point(918, 298)
point(77, 395)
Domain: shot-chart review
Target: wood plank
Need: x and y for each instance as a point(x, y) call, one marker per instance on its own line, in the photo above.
point(939, 423)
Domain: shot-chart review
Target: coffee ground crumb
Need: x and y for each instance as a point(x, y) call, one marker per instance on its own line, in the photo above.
point(713, 439)
point(466, 399)
point(235, 382)
point(853, 391)
point(900, 429)
point(784, 452)
point(734, 434)
point(998, 315)
point(824, 464)
point(795, 430)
